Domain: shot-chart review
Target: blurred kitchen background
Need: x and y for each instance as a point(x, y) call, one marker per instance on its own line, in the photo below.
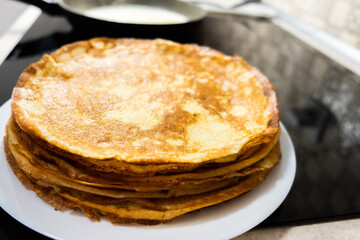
point(318, 90)
point(340, 18)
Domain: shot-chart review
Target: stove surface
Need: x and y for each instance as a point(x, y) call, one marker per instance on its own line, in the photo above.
point(319, 103)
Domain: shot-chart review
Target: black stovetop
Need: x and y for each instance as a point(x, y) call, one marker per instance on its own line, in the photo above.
point(319, 103)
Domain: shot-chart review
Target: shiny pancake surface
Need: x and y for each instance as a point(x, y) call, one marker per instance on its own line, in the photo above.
point(145, 101)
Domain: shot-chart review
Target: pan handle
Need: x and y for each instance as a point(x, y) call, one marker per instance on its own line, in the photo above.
point(50, 7)
point(259, 11)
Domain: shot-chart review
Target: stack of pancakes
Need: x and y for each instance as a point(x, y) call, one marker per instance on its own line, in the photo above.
point(141, 130)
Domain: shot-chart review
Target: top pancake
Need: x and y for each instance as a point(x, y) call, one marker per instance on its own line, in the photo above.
point(145, 101)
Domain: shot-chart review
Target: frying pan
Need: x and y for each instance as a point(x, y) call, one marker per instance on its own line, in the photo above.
point(188, 31)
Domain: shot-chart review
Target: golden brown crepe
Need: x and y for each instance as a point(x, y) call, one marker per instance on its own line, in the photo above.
point(59, 172)
point(141, 130)
point(150, 209)
point(145, 101)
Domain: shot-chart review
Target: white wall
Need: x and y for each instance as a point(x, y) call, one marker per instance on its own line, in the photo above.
point(341, 18)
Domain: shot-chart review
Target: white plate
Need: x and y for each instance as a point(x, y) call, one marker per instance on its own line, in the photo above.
point(224, 221)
